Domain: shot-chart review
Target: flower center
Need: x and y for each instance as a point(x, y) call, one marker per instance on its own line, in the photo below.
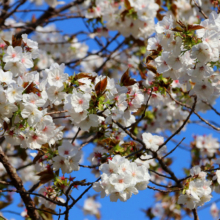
point(34, 137)
point(66, 152)
point(80, 101)
point(121, 181)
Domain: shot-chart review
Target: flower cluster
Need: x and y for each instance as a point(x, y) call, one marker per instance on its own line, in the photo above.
point(207, 145)
point(178, 50)
point(24, 102)
point(68, 158)
point(187, 12)
point(121, 178)
point(54, 47)
point(112, 110)
point(97, 93)
point(197, 191)
point(130, 17)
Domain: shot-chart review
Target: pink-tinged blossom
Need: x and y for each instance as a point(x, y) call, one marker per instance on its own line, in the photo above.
point(56, 95)
point(12, 54)
point(67, 150)
point(78, 101)
point(34, 99)
point(56, 75)
point(161, 62)
point(61, 163)
point(201, 71)
point(164, 25)
point(26, 60)
point(35, 140)
point(203, 90)
point(121, 179)
point(31, 112)
point(121, 102)
point(207, 145)
point(212, 38)
point(45, 202)
point(109, 168)
point(153, 43)
point(47, 128)
point(146, 161)
point(175, 61)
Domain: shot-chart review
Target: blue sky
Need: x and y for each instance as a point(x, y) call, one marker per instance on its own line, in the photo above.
point(132, 208)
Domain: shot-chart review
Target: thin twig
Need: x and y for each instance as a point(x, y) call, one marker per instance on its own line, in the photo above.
point(200, 10)
point(35, 194)
point(74, 138)
point(201, 118)
point(183, 124)
point(164, 191)
point(160, 174)
point(218, 113)
point(173, 149)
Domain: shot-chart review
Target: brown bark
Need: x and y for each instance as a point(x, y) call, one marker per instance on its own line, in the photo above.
point(18, 184)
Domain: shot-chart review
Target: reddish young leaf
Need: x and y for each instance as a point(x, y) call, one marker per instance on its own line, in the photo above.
point(143, 75)
point(46, 175)
point(16, 41)
point(127, 4)
point(194, 27)
point(31, 88)
point(126, 80)
point(85, 75)
point(101, 86)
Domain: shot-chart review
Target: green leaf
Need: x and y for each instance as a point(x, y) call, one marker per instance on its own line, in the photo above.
point(118, 149)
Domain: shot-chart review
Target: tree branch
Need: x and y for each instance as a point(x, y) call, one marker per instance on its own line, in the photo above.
point(17, 183)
